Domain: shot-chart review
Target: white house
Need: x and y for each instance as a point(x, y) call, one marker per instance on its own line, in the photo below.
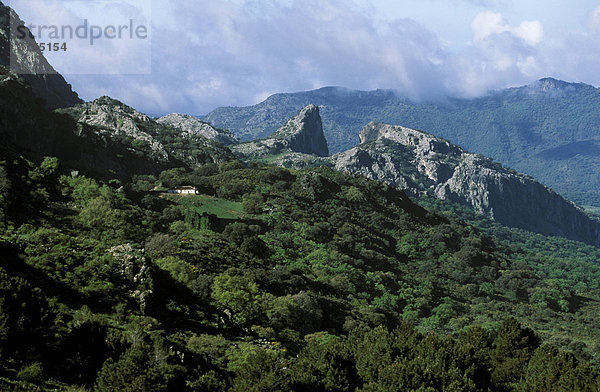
point(185, 190)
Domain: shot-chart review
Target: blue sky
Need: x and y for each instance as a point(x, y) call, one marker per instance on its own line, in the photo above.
point(209, 53)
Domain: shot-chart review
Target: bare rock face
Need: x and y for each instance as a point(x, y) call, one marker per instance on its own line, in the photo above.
point(29, 62)
point(303, 133)
point(117, 119)
point(194, 126)
point(113, 120)
point(420, 163)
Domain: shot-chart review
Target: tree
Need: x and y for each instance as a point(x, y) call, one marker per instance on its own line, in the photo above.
point(552, 370)
point(324, 365)
point(132, 372)
point(263, 370)
point(235, 291)
point(513, 347)
point(372, 353)
point(25, 318)
point(252, 203)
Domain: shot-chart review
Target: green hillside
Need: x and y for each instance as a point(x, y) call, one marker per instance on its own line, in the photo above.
point(134, 291)
point(269, 280)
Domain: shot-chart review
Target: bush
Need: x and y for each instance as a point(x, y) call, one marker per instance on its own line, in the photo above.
point(33, 373)
point(252, 203)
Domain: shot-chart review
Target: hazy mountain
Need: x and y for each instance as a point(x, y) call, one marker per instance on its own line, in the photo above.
point(549, 129)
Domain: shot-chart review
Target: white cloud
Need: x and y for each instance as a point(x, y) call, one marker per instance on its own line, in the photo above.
point(594, 20)
point(235, 53)
point(488, 23)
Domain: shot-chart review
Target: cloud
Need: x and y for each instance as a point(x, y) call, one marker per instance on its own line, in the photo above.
point(594, 20)
point(227, 53)
point(98, 37)
point(488, 23)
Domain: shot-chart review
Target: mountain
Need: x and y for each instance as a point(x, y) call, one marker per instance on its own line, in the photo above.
point(29, 128)
point(105, 137)
point(273, 279)
point(105, 286)
point(194, 126)
point(158, 142)
point(421, 163)
point(424, 165)
point(548, 129)
point(303, 133)
point(23, 56)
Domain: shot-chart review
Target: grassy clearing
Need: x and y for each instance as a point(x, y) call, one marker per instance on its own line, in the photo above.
point(213, 205)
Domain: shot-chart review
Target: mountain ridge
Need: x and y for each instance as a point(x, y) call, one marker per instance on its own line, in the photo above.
point(194, 126)
point(422, 164)
point(520, 127)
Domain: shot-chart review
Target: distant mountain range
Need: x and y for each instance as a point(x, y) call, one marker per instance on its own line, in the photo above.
point(549, 129)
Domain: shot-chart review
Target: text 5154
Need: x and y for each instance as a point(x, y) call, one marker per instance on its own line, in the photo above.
point(53, 46)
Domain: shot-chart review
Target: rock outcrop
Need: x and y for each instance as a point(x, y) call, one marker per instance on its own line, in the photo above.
point(29, 129)
point(116, 119)
point(160, 142)
point(23, 56)
point(194, 126)
point(301, 134)
point(103, 138)
point(304, 133)
point(421, 163)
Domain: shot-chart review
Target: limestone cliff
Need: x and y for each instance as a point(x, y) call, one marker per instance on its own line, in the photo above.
point(29, 129)
point(302, 134)
point(115, 119)
point(194, 126)
point(421, 163)
point(160, 142)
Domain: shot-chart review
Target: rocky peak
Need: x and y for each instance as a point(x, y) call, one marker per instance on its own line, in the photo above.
point(194, 126)
point(544, 88)
point(423, 142)
point(108, 112)
point(29, 62)
point(304, 132)
point(547, 84)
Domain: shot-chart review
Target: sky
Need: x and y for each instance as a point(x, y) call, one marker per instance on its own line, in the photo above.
point(201, 54)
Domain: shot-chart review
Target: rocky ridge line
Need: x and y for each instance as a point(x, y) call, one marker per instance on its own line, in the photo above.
point(421, 163)
point(194, 126)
